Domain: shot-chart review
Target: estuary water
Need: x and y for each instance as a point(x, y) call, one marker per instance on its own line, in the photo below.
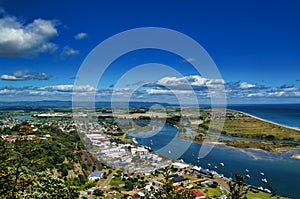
point(281, 171)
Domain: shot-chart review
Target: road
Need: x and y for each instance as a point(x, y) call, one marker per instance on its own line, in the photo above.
point(106, 181)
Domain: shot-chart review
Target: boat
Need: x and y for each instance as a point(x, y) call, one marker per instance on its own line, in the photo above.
point(169, 151)
point(216, 167)
point(209, 164)
point(262, 174)
point(248, 176)
point(267, 190)
point(260, 188)
point(198, 158)
point(264, 180)
point(247, 170)
point(222, 164)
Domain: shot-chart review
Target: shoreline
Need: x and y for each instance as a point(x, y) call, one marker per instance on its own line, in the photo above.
point(264, 120)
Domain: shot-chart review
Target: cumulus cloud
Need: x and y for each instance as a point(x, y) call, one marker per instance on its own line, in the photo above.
point(24, 75)
point(68, 52)
point(69, 88)
point(18, 39)
point(245, 85)
point(167, 92)
point(187, 82)
point(81, 35)
point(171, 89)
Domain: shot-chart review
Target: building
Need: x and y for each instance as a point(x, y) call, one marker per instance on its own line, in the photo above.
point(198, 194)
point(180, 165)
point(96, 175)
point(177, 179)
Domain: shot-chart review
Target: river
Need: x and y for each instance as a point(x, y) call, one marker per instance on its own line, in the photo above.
point(281, 171)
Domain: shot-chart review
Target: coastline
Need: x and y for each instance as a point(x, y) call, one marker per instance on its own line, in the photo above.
point(264, 120)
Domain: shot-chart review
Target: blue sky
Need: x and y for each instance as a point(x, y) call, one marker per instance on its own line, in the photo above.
point(255, 45)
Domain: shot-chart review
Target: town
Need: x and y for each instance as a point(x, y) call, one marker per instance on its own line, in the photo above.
point(129, 170)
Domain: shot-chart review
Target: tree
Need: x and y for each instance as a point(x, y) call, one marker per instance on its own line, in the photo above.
point(237, 188)
point(168, 191)
point(16, 157)
point(128, 185)
point(49, 186)
point(98, 192)
point(22, 172)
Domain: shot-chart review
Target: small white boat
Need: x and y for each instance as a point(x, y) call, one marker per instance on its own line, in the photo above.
point(169, 151)
point(215, 167)
point(222, 164)
point(248, 176)
point(267, 190)
point(262, 174)
point(260, 188)
point(264, 180)
point(209, 164)
point(247, 170)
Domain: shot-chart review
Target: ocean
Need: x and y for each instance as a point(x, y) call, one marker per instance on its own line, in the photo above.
point(285, 114)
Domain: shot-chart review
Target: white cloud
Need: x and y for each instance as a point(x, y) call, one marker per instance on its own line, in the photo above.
point(81, 35)
point(297, 93)
point(170, 93)
point(20, 40)
point(290, 89)
point(24, 75)
point(68, 52)
point(9, 77)
point(189, 82)
point(69, 88)
point(256, 95)
point(245, 85)
point(167, 92)
point(7, 91)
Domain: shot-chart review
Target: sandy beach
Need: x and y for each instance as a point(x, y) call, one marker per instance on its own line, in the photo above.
point(296, 156)
point(294, 128)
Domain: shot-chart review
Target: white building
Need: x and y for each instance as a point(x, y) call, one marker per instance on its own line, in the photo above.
point(96, 175)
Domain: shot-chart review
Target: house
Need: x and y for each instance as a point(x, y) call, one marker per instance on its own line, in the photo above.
point(198, 194)
point(222, 197)
point(179, 179)
point(180, 165)
point(96, 175)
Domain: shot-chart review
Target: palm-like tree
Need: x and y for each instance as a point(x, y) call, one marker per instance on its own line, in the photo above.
point(237, 188)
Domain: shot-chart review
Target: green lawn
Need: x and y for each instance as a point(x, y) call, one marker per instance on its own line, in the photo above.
point(212, 192)
point(261, 195)
point(116, 181)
